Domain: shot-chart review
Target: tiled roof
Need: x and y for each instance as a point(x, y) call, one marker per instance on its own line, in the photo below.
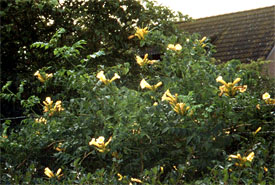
point(246, 35)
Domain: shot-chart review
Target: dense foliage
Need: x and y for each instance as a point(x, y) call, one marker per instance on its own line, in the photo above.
point(97, 112)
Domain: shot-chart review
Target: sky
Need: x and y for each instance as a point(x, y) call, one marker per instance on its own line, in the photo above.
point(206, 8)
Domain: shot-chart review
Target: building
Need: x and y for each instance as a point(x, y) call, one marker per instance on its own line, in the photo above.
point(247, 35)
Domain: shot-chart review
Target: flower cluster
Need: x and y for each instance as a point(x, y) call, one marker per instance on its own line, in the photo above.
point(50, 108)
point(145, 60)
point(267, 99)
point(42, 78)
point(241, 159)
point(229, 89)
point(144, 84)
point(100, 144)
point(41, 120)
point(50, 174)
point(173, 47)
point(180, 108)
point(103, 79)
point(140, 33)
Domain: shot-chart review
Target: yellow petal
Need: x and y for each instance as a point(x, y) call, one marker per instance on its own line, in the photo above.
point(258, 130)
point(110, 139)
point(202, 40)
point(139, 61)
point(167, 96)
point(233, 156)
point(100, 140)
point(93, 142)
point(49, 75)
point(120, 177)
point(171, 46)
point(101, 77)
point(236, 81)
point(144, 84)
point(157, 85)
point(58, 172)
point(116, 76)
point(250, 156)
point(178, 47)
point(136, 180)
point(242, 88)
point(220, 79)
point(48, 172)
point(265, 96)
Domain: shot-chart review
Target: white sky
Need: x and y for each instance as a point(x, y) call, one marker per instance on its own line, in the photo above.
point(205, 8)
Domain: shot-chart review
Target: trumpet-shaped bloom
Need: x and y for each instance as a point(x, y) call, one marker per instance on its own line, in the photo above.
point(229, 89)
point(173, 47)
point(167, 96)
point(220, 80)
point(41, 120)
point(50, 174)
point(140, 33)
point(241, 159)
point(145, 60)
point(267, 99)
point(120, 177)
point(266, 96)
point(103, 79)
point(250, 157)
point(202, 40)
point(41, 78)
point(181, 108)
point(136, 180)
point(49, 106)
point(144, 84)
point(100, 144)
point(258, 130)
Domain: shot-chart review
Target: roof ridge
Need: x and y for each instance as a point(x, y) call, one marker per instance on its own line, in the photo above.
point(230, 14)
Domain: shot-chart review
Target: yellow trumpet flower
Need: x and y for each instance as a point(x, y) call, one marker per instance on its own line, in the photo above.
point(41, 120)
point(145, 60)
point(103, 79)
point(242, 160)
point(120, 177)
point(258, 130)
point(41, 78)
point(173, 47)
point(99, 143)
point(229, 89)
point(167, 96)
point(136, 180)
point(266, 96)
point(180, 108)
point(140, 33)
point(202, 40)
point(50, 174)
point(49, 106)
point(144, 84)
point(267, 99)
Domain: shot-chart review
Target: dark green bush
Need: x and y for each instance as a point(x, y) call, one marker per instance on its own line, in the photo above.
point(185, 137)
